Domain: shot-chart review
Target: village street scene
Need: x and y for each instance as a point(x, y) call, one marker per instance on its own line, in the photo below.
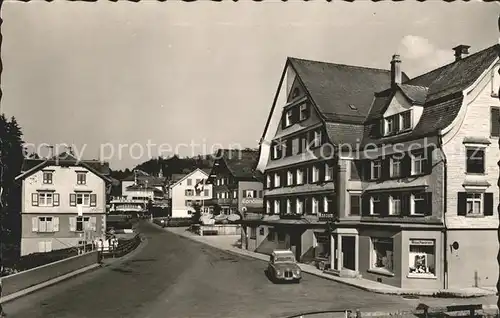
point(328, 160)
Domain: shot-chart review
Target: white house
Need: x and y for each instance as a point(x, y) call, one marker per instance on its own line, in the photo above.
point(184, 193)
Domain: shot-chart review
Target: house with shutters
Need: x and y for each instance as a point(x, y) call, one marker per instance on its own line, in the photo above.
point(183, 194)
point(237, 187)
point(63, 202)
point(414, 169)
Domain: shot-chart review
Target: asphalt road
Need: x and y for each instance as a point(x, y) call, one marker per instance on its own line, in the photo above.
point(174, 277)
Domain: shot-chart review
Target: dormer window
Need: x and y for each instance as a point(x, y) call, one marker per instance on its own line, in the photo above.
point(288, 118)
point(405, 120)
point(303, 112)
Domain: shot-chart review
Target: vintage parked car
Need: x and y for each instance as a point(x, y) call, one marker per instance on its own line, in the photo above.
point(283, 267)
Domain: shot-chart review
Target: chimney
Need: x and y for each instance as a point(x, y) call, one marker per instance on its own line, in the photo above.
point(396, 69)
point(460, 51)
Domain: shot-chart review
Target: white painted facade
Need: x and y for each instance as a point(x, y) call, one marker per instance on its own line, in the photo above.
point(183, 191)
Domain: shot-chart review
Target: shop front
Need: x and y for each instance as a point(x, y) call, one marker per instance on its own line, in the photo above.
point(344, 247)
point(410, 259)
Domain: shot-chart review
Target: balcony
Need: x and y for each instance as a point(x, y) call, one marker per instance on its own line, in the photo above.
point(326, 216)
point(226, 201)
point(291, 216)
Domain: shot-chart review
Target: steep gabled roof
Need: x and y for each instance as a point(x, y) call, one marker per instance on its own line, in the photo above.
point(31, 166)
point(438, 91)
point(335, 87)
point(185, 176)
point(241, 163)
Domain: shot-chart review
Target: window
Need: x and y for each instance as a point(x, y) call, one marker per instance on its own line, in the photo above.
point(189, 182)
point(235, 194)
point(325, 204)
point(422, 258)
point(317, 139)
point(46, 224)
point(83, 199)
point(495, 122)
point(315, 206)
point(406, 120)
point(45, 199)
point(376, 167)
point(395, 167)
point(44, 246)
point(253, 233)
point(475, 160)
point(47, 177)
point(289, 178)
point(288, 118)
point(300, 176)
point(261, 231)
point(303, 111)
point(418, 164)
point(419, 204)
point(276, 180)
point(276, 151)
point(83, 224)
point(268, 207)
point(268, 181)
point(315, 174)
point(355, 204)
point(206, 193)
point(288, 206)
point(198, 181)
point(250, 194)
point(81, 178)
point(328, 172)
point(276, 206)
point(382, 254)
point(395, 204)
point(189, 203)
point(389, 126)
point(189, 192)
point(474, 203)
point(300, 206)
point(375, 205)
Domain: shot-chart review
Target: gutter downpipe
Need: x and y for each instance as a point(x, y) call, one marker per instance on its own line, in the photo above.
point(445, 206)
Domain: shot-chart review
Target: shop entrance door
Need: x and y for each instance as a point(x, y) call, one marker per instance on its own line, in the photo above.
point(349, 252)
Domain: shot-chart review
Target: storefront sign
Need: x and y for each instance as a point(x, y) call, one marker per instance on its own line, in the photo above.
point(422, 242)
point(252, 201)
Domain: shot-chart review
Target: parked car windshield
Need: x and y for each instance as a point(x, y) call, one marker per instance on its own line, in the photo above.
point(283, 259)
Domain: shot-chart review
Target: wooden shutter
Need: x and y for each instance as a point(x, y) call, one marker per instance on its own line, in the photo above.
point(93, 199)
point(72, 199)
point(55, 224)
point(93, 223)
point(462, 203)
point(495, 122)
point(34, 199)
point(428, 163)
point(34, 224)
point(72, 224)
point(56, 199)
point(405, 204)
point(386, 163)
point(283, 120)
point(366, 170)
point(365, 205)
point(406, 165)
point(428, 203)
point(488, 203)
point(48, 246)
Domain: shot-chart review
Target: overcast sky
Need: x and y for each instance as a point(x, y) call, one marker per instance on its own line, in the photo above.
point(204, 72)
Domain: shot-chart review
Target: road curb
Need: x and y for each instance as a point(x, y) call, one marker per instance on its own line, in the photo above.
point(32, 289)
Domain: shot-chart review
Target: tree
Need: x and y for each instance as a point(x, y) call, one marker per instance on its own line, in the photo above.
point(195, 218)
point(11, 160)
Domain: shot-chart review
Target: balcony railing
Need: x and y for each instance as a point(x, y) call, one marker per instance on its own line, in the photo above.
point(227, 201)
point(326, 216)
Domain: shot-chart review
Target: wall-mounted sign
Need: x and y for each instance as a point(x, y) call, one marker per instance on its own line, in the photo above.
point(422, 242)
point(252, 201)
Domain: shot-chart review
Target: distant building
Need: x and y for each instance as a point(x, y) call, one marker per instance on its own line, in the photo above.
point(63, 202)
point(183, 193)
point(237, 186)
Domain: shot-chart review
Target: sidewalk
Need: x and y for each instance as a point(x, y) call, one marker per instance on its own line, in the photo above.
point(230, 243)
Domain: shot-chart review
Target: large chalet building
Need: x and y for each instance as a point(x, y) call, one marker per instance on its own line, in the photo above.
point(63, 202)
point(385, 177)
